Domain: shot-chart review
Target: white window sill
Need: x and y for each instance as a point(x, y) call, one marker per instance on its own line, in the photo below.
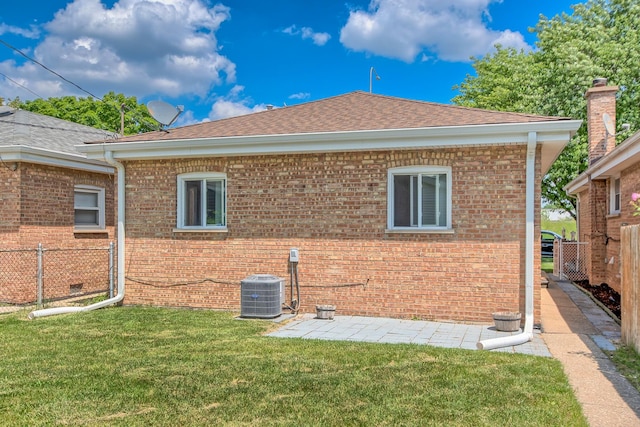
point(89, 230)
point(613, 214)
point(416, 230)
point(200, 230)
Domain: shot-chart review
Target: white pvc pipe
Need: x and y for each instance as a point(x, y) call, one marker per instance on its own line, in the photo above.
point(527, 333)
point(108, 155)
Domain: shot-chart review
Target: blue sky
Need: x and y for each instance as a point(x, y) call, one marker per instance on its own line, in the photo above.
point(220, 59)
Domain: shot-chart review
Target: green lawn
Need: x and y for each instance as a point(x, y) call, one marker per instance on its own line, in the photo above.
point(135, 366)
point(568, 225)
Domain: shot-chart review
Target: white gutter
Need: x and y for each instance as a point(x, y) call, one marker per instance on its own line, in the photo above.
point(108, 156)
point(527, 333)
point(23, 153)
point(551, 135)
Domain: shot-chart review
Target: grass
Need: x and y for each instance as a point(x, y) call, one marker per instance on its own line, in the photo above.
point(557, 226)
point(546, 264)
point(627, 361)
point(138, 366)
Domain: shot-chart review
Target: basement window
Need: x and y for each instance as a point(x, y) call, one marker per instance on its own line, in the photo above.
point(88, 205)
point(419, 198)
point(202, 201)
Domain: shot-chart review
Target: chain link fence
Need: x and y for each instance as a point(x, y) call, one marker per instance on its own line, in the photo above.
point(41, 274)
point(570, 260)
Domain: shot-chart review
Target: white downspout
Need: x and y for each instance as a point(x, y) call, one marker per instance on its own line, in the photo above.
point(527, 333)
point(108, 155)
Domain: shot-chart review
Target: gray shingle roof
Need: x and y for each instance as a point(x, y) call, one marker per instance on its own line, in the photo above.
point(24, 128)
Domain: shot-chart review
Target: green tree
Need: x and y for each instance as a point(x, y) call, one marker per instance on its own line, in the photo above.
point(103, 114)
point(601, 38)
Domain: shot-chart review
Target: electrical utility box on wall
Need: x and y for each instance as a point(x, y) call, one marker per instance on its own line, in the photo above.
point(261, 296)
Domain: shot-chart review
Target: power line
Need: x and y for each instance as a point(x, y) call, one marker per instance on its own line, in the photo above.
point(136, 115)
point(48, 69)
point(18, 84)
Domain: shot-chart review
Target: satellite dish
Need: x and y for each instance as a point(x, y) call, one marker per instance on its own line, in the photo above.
point(608, 124)
point(163, 112)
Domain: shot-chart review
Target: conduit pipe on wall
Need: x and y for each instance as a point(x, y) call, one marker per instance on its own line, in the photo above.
point(527, 333)
point(108, 155)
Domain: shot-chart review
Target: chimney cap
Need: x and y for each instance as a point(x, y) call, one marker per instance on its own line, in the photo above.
point(599, 81)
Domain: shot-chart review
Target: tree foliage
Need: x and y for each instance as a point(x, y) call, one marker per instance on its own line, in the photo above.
point(102, 114)
point(601, 38)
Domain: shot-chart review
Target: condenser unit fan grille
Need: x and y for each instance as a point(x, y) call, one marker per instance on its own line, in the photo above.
point(261, 296)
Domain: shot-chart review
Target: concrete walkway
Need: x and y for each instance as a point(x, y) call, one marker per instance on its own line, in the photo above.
point(576, 331)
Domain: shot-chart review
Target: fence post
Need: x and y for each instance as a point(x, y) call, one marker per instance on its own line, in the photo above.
point(110, 269)
point(39, 275)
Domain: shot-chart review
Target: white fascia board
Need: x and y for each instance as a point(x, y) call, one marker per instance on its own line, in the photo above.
point(623, 156)
point(553, 132)
point(578, 185)
point(22, 153)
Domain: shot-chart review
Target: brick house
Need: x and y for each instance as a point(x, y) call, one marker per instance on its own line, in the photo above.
point(50, 194)
point(398, 208)
point(603, 191)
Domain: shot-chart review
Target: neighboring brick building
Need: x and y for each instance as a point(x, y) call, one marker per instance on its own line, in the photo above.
point(51, 194)
point(398, 208)
point(604, 189)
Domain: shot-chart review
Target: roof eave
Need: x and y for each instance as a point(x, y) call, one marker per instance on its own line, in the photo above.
point(623, 156)
point(553, 135)
point(22, 153)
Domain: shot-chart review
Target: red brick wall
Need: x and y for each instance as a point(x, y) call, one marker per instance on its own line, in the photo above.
point(333, 208)
point(9, 204)
point(629, 184)
point(37, 207)
point(602, 230)
point(600, 100)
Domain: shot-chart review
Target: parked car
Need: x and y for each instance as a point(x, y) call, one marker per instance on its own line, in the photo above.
point(546, 242)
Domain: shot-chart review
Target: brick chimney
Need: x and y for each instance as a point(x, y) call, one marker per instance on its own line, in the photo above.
point(601, 99)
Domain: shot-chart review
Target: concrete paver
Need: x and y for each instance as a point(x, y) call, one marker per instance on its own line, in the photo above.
point(384, 330)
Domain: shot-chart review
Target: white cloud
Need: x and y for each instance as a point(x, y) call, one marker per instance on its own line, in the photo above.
point(319, 39)
point(31, 33)
point(453, 30)
point(234, 104)
point(300, 95)
point(136, 47)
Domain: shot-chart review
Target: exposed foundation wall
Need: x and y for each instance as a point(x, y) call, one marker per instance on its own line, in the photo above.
point(333, 208)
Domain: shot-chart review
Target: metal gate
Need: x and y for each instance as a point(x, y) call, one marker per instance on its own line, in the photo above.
point(570, 260)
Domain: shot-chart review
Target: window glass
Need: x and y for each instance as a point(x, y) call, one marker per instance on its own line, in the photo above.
point(83, 199)
point(215, 203)
point(616, 194)
point(88, 204)
point(193, 203)
point(420, 199)
point(83, 217)
point(201, 198)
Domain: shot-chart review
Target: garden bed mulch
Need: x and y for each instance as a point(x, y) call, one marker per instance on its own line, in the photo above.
point(603, 293)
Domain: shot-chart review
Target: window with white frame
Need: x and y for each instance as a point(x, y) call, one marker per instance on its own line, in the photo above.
point(202, 200)
point(88, 205)
point(614, 198)
point(419, 197)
